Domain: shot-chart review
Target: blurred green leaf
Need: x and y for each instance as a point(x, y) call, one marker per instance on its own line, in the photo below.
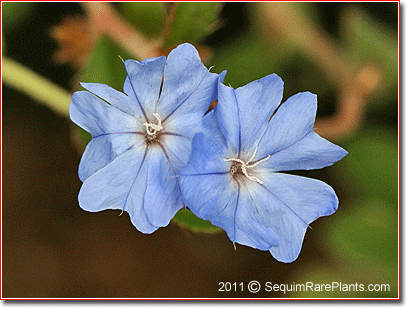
point(148, 17)
point(105, 65)
point(369, 41)
point(250, 58)
point(192, 22)
point(366, 234)
point(83, 135)
point(186, 219)
point(364, 240)
point(372, 164)
point(15, 12)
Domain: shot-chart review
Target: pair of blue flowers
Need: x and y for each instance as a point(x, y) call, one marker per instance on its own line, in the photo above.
point(154, 151)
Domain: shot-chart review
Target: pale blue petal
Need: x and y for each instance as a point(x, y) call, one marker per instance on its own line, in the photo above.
point(249, 225)
point(183, 74)
point(98, 117)
point(206, 192)
point(186, 119)
point(143, 82)
point(207, 156)
point(116, 99)
point(103, 149)
point(212, 194)
point(292, 122)
point(120, 185)
point(210, 127)
point(163, 195)
point(227, 204)
point(181, 145)
point(288, 204)
point(256, 102)
point(179, 149)
point(311, 152)
point(241, 128)
point(227, 114)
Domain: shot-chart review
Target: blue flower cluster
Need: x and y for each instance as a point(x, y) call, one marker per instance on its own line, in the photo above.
point(154, 151)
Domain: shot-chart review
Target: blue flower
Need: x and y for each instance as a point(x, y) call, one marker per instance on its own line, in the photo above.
point(142, 139)
point(232, 177)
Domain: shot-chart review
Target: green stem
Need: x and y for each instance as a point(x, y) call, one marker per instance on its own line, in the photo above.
point(37, 87)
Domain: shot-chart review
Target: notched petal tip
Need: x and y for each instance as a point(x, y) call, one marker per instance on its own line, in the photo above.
point(130, 64)
point(184, 48)
point(221, 77)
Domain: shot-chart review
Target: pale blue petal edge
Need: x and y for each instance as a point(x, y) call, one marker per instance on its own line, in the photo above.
point(311, 152)
point(292, 121)
point(120, 185)
point(98, 117)
point(143, 83)
point(101, 150)
point(183, 74)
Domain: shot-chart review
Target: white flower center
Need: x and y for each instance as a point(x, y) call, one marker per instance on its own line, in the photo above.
point(246, 165)
point(153, 129)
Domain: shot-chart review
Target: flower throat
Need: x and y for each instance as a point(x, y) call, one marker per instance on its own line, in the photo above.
point(153, 129)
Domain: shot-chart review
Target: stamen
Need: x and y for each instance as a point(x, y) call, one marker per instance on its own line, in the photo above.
point(153, 129)
point(245, 165)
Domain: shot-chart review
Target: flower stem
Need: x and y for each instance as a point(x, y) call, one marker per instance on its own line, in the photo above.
point(37, 87)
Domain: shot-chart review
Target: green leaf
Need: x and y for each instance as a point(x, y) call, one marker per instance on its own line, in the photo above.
point(148, 17)
point(105, 65)
point(371, 166)
point(186, 219)
point(192, 22)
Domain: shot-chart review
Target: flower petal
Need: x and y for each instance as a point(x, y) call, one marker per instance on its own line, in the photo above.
point(184, 74)
point(227, 204)
point(250, 227)
point(311, 152)
point(227, 114)
point(103, 149)
point(120, 185)
point(143, 82)
point(115, 98)
point(214, 194)
point(178, 148)
point(292, 122)
point(163, 195)
point(288, 205)
point(98, 117)
point(207, 155)
point(186, 119)
point(221, 199)
point(262, 97)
